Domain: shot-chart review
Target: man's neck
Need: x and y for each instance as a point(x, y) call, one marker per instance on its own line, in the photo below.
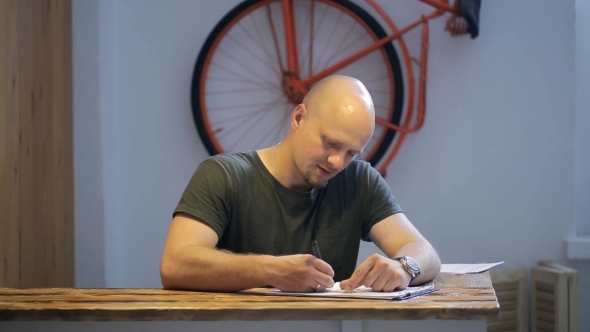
point(285, 169)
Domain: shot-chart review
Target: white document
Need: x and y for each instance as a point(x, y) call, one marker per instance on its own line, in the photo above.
point(363, 292)
point(467, 268)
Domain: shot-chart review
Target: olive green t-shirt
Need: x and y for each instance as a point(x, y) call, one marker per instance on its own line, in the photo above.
point(252, 212)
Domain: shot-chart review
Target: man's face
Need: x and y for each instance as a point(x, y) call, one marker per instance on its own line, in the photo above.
point(326, 148)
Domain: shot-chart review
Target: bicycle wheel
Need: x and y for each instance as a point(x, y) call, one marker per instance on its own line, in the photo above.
point(238, 102)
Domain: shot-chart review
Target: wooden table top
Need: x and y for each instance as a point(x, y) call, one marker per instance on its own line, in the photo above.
point(463, 297)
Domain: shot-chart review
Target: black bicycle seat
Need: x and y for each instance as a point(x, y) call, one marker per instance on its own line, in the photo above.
point(470, 12)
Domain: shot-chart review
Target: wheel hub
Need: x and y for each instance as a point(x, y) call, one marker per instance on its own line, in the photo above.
point(293, 88)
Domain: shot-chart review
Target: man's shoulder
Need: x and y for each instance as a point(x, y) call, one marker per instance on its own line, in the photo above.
point(244, 157)
point(233, 163)
point(358, 173)
point(359, 168)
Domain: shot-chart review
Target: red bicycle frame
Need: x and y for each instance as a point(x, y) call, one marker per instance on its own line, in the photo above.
point(295, 88)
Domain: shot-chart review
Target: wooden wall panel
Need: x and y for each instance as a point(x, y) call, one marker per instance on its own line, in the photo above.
point(36, 123)
point(9, 190)
point(564, 281)
point(64, 231)
point(511, 289)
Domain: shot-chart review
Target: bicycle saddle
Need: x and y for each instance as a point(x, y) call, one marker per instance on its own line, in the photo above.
point(470, 12)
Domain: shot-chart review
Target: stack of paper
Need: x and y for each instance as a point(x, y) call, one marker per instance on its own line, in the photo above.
point(363, 292)
point(466, 268)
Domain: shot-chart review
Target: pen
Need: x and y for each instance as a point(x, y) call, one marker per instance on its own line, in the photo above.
point(316, 249)
point(410, 295)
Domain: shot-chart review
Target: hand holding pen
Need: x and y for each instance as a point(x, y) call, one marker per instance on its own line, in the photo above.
point(299, 273)
point(316, 252)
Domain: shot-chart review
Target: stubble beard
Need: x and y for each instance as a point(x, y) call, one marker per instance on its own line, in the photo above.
point(313, 182)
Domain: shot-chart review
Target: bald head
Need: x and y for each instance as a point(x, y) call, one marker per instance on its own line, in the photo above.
point(332, 125)
point(342, 100)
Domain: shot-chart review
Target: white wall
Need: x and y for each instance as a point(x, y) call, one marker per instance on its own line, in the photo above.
point(489, 177)
point(89, 208)
point(582, 156)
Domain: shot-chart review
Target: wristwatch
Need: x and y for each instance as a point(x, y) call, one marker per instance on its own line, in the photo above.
point(410, 265)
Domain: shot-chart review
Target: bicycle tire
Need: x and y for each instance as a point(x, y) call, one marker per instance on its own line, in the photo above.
point(201, 112)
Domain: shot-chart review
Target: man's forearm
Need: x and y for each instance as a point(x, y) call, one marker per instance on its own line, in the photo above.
point(426, 256)
point(200, 268)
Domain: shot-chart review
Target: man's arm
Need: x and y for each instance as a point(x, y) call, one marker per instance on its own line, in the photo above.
point(190, 261)
point(395, 236)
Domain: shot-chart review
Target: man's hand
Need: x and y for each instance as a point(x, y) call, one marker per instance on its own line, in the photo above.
point(380, 273)
point(300, 273)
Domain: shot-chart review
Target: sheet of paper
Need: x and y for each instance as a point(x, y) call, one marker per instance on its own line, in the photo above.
point(467, 268)
point(363, 292)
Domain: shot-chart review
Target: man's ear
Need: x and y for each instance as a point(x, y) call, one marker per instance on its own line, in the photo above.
point(299, 113)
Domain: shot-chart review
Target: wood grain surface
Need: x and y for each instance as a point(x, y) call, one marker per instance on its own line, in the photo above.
point(36, 158)
point(461, 297)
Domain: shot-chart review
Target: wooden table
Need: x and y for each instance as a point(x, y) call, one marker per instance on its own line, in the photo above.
point(461, 297)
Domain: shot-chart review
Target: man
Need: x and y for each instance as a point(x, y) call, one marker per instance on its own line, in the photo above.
point(248, 219)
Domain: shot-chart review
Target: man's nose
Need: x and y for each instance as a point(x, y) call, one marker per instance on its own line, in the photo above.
point(336, 160)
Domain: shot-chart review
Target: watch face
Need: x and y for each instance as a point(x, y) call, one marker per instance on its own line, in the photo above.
point(412, 264)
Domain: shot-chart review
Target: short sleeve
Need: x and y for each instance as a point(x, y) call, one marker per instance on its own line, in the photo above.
point(207, 196)
point(378, 201)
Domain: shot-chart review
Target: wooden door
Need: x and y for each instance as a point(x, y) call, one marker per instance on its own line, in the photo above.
point(36, 165)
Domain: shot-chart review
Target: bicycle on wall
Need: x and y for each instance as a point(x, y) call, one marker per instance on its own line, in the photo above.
point(264, 56)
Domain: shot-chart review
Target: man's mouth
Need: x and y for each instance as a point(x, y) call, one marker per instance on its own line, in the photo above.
point(324, 171)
